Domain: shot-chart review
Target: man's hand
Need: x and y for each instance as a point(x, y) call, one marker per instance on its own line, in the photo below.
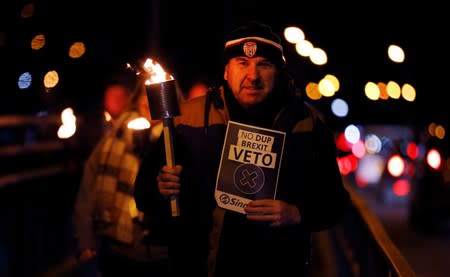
point(276, 212)
point(169, 180)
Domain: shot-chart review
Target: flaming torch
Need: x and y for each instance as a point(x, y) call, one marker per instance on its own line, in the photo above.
point(162, 97)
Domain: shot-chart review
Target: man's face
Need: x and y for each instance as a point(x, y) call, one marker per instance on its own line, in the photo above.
point(250, 79)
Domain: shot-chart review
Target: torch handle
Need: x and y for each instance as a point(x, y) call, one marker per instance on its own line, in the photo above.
point(170, 159)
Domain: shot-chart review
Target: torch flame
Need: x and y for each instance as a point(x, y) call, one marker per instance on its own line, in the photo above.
point(139, 124)
point(156, 72)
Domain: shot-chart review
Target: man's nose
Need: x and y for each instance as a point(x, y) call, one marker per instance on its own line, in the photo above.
point(252, 72)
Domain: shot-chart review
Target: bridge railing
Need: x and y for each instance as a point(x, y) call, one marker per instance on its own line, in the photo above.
point(362, 246)
point(38, 181)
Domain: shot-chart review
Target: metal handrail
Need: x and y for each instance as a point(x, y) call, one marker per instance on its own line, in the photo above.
point(367, 248)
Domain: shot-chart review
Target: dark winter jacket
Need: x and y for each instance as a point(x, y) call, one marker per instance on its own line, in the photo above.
point(233, 246)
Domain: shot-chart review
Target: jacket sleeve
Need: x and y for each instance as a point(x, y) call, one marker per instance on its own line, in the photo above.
point(329, 199)
point(146, 194)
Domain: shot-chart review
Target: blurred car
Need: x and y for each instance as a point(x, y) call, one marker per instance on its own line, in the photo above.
point(430, 203)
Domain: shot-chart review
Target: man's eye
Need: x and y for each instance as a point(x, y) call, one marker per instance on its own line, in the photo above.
point(266, 64)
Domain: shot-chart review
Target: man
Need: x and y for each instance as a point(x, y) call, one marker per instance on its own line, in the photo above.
point(272, 237)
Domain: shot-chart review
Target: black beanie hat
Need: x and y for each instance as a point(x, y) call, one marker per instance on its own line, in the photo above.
point(252, 40)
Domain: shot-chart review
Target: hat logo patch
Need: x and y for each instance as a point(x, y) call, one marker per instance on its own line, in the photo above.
point(250, 48)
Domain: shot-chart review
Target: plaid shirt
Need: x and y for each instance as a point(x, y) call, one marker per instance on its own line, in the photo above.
point(105, 205)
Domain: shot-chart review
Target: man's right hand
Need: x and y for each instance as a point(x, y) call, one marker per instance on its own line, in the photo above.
point(169, 180)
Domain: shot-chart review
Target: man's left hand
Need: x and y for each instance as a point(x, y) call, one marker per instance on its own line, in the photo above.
point(276, 212)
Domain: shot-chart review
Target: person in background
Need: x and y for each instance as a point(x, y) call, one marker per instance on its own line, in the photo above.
point(107, 224)
point(99, 117)
point(197, 88)
point(273, 235)
point(115, 98)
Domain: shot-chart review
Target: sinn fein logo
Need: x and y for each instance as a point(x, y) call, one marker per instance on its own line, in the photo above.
point(233, 201)
point(224, 198)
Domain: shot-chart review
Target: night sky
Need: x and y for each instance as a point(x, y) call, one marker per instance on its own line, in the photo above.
point(187, 38)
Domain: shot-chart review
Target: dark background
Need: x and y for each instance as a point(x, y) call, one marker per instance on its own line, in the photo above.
point(187, 37)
